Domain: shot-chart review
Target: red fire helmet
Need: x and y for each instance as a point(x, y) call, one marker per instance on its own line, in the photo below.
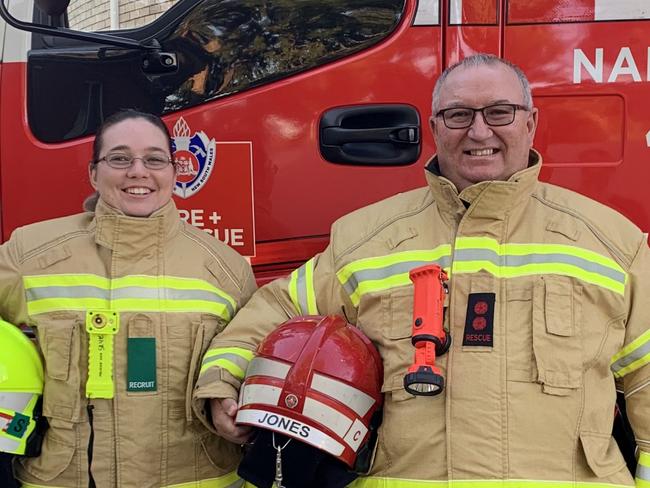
point(318, 380)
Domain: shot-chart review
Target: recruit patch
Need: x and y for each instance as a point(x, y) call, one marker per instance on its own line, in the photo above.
point(479, 321)
point(141, 364)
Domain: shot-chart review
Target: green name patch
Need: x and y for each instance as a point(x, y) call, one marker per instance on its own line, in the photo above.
point(141, 364)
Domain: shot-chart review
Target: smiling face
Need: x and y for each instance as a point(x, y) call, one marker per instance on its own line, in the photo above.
point(481, 152)
point(136, 191)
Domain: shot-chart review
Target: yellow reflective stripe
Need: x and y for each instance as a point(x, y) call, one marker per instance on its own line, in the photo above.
point(474, 254)
point(222, 357)
point(393, 281)
point(309, 288)
point(97, 290)
point(128, 305)
point(383, 272)
point(517, 249)
point(382, 261)
point(642, 477)
point(301, 289)
point(537, 269)
point(293, 289)
point(632, 357)
point(509, 260)
point(230, 480)
point(376, 482)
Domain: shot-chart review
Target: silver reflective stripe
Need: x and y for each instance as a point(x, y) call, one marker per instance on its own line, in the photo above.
point(469, 255)
point(42, 292)
point(233, 358)
point(643, 472)
point(269, 420)
point(127, 292)
point(428, 13)
point(356, 434)
point(302, 286)
point(391, 270)
point(357, 400)
point(261, 394)
point(326, 415)
point(15, 401)
point(634, 355)
point(8, 445)
point(267, 367)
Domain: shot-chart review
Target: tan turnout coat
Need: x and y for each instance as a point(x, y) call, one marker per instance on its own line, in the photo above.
point(168, 281)
point(529, 401)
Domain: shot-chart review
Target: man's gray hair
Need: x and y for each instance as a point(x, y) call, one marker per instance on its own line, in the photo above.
point(482, 59)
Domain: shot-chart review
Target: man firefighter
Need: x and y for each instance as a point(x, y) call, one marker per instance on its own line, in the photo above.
point(547, 308)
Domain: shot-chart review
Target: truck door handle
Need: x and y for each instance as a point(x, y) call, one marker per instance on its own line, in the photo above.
point(408, 134)
point(370, 135)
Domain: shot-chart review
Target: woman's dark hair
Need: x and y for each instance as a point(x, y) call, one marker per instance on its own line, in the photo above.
point(90, 202)
point(122, 115)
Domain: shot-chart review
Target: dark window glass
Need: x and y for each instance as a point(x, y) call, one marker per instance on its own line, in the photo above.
point(223, 47)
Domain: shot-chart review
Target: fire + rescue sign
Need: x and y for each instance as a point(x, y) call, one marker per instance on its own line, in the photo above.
point(214, 186)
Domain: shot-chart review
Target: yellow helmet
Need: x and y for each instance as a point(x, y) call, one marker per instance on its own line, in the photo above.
point(21, 387)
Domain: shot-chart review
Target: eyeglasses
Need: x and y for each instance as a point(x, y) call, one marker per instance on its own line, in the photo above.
point(493, 115)
point(124, 161)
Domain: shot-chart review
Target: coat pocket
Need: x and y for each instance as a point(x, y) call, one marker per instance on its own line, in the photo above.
point(208, 328)
point(602, 453)
point(56, 454)
point(221, 454)
point(59, 340)
point(556, 334)
point(396, 349)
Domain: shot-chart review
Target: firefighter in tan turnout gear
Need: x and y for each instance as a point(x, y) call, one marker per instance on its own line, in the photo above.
point(547, 308)
point(125, 300)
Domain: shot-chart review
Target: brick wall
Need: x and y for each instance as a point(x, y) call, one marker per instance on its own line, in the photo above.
point(94, 15)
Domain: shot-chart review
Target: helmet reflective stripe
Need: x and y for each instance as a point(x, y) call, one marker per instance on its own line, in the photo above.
point(21, 385)
point(356, 433)
point(9, 445)
point(16, 424)
point(633, 356)
point(352, 397)
point(49, 293)
point(15, 401)
point(254, 393)
point(260, 394)
point(346, 394)
point(326, 415)
point(267, 367)
point(287, 425)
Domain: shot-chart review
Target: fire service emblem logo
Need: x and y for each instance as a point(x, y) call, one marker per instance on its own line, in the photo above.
point(194, 156)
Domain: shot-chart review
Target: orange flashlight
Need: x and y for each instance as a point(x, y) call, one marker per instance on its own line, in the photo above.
point(428, 336)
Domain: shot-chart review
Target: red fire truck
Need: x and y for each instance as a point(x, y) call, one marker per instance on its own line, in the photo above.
point(287, 115)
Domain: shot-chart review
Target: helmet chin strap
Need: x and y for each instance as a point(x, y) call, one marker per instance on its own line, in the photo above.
point(277, 482)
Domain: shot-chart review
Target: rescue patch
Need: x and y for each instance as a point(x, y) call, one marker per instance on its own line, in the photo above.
point(479, 321)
